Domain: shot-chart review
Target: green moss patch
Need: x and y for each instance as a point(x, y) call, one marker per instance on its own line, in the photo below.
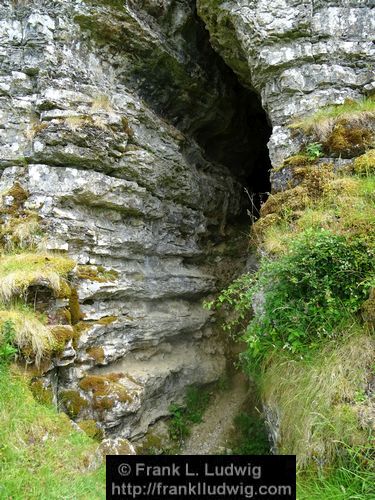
point(91, 428)
point(96, 273)
point(73, 402)
point(365, 165)
point(345, 130)
point(97, 353)
point(106, 390)
point(62, 334)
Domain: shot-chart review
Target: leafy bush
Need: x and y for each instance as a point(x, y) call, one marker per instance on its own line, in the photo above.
point(303, 296)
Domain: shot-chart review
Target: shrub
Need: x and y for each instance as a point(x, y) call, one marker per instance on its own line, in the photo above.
point(304, 296)
point(7, 336)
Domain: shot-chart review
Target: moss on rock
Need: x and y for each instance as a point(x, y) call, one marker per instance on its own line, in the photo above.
point(74, 307)
point(62, 334)
point(91, 428)
point(348, 139)
point(286, 202)
point(97, 353)
point(365, 164)
point(96, 273)
point(73, 402)
point(105, 390)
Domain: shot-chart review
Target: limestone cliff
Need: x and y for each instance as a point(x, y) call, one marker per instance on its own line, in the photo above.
point(89, 92)
point(132, 141)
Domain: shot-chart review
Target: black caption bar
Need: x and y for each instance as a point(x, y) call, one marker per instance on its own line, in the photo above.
point(202, 476)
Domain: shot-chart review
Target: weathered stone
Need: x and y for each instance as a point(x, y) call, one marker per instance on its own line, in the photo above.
point(298, 55)
point(84, 87)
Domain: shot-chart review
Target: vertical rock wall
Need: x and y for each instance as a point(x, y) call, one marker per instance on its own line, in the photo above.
point(89, 94)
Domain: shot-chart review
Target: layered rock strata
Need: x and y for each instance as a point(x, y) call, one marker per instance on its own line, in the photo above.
point(125, 193)
point(298, 55)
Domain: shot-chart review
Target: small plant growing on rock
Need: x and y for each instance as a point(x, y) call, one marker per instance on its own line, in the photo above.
point(314, 150)
point(183, 416)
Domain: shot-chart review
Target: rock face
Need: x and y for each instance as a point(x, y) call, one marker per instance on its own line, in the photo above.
point(299, 55)
point(133, 141)
point(90, 93)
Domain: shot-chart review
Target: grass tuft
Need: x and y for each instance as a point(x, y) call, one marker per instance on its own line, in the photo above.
point(20, 271)
point(316, 398)
point(32, 337)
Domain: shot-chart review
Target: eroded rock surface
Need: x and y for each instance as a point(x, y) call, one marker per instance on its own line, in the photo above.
point(84, 87)
point(299, 55)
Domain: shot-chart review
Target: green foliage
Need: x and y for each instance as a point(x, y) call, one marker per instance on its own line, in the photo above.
point(7, 337)
point(183, 416)
point(305, 295)
point(314, 150)
point(251, 436)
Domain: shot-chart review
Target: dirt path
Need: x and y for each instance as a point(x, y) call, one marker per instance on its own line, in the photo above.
point(212, 435)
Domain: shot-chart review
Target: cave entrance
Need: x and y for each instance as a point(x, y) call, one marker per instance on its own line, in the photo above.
point(240, 141)
point(242, 146)
point(200, 94)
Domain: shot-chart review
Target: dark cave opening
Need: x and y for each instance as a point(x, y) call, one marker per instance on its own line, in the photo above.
point(235, 131)
point(199, 93)
point(241, 144)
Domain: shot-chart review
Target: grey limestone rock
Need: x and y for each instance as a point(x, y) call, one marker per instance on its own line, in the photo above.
point(118, 187)
point(298, 55)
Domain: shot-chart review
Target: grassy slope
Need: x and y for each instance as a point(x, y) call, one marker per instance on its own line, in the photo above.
point(41, 455)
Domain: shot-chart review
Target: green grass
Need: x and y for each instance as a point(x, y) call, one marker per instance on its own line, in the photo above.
point(348, 481)
point(41, 455)
point(318, 397)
